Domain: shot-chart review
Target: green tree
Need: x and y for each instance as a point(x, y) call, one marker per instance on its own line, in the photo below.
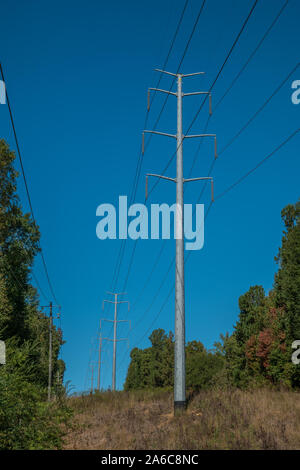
point(252, 311)
point(154, 367)
point(287, 279)
point(260, 347)
point(201, 365)
point(20, 316)
point(26, 420)
point(19, 237)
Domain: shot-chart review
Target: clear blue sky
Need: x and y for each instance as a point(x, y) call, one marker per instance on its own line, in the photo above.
point(77, 75)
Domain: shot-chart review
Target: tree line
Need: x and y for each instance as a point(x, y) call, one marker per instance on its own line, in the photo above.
point(26, 419)
point(259, 350)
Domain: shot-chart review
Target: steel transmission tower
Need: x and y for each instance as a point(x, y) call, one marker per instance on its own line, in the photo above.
point(179, 373)
point(115, 321)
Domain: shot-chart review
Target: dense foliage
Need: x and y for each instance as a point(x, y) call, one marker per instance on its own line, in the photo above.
point(26, 420)
point(259, 349)
point(153, 367)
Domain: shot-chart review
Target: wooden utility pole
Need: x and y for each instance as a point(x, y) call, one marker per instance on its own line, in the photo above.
point(51, 306)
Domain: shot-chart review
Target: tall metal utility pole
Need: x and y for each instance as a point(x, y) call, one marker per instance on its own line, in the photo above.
point(115, 321)
point(50, 306)
point(179, 373)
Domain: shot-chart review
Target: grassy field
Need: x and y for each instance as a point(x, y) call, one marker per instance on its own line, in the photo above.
point(215, 419)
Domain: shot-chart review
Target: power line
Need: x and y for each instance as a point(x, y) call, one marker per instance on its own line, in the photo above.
point(38, 286)
point(193, 120)
point(139, 163)
point(166, 99)
point(212, 86)
point(25, 180)
point(157, 293)
point(138, 169)
point(219, 196)
point(232, 186)
point(250, 120)
point(238, 75)
point(156, 123)
point(244, 127)
point(123, 244)
point(179, 66)
point(224, 63)
point(252, 54)
point(179, 331)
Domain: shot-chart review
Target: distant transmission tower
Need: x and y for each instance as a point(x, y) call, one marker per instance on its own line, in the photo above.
point(179, 374)
point(92, 366)
point(99, 361)
point(115, 321)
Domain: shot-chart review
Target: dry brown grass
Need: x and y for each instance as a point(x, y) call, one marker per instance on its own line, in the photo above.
point(215, 419)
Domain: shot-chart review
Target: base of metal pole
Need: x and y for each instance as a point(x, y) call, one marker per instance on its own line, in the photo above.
point(179, 407)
